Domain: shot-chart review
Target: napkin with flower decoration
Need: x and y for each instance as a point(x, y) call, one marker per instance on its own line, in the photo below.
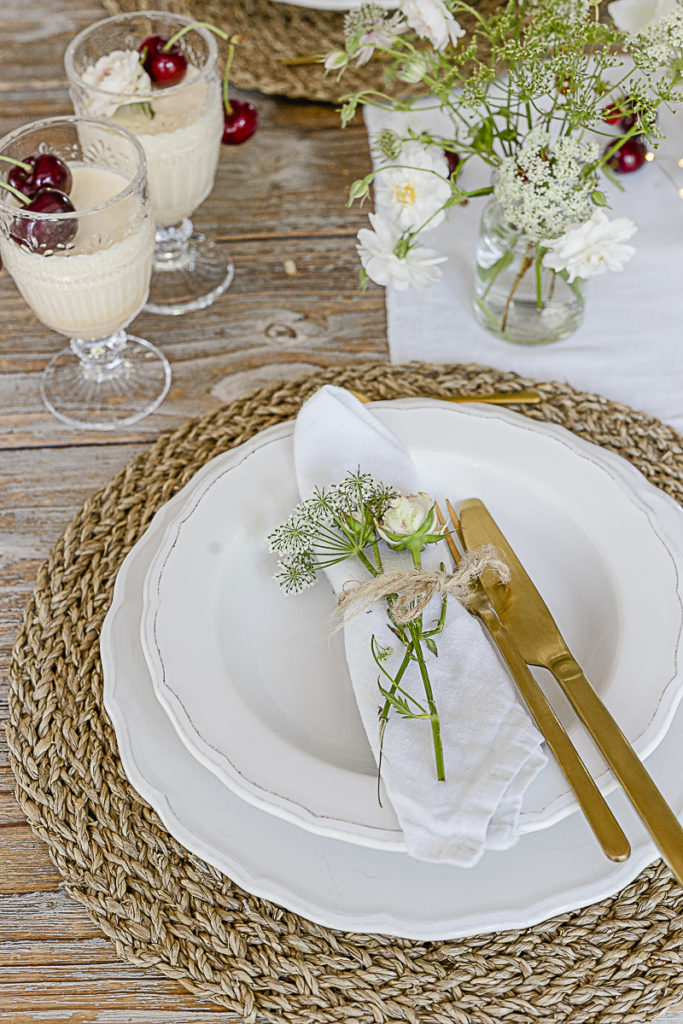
point(492, 749)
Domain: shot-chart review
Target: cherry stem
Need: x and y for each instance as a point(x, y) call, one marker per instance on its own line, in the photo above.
point(17, 163)
point(187, 28)
point(15, 192)
point(234, 40)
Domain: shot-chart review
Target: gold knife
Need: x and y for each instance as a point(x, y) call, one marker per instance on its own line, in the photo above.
point(591, 801)
point(492, 398)
point(536, 634)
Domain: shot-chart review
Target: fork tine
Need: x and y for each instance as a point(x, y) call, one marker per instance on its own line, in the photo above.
point(448, 537)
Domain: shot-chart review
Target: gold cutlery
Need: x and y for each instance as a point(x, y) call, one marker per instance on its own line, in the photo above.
point(591, 801)
point(493, 398)
point(524, 613)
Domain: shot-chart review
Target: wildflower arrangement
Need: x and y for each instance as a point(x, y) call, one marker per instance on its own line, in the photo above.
point(532, 94)
point(354, 519)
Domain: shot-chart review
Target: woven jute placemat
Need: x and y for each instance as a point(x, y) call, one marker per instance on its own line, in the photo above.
point(616, 962)
point(275, 33)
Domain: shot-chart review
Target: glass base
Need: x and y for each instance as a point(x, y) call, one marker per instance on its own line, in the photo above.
point(189, 271)
point(104, 398)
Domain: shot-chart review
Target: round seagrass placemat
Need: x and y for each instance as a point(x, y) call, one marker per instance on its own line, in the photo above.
point(275, 33)
point(616, 962)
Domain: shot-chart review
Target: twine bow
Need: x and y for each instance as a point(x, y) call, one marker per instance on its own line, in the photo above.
point(415, 588)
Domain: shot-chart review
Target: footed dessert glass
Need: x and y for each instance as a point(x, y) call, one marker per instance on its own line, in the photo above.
point(180, 129)
point(85, 272)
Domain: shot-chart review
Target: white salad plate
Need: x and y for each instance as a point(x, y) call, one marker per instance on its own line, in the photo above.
point(339, 884)
point(256, 687)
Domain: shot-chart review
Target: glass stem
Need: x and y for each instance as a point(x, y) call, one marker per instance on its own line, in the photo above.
point(171, 243)
point(100, 359)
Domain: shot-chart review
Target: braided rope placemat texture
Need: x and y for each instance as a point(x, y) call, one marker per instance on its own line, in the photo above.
point(273, 33)
point(616, 962)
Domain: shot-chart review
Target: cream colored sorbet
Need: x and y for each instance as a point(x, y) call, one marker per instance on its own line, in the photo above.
point(181, 142)
point(101, 283)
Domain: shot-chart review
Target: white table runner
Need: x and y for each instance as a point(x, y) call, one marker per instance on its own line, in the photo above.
point(630, 346)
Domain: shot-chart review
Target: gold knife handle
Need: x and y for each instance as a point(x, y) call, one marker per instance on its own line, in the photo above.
point(591, 801)
point(655, 813)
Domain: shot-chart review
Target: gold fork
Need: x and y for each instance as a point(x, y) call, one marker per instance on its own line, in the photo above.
point(591, 801)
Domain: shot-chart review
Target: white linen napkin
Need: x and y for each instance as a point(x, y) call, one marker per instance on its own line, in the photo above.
point(492, 748)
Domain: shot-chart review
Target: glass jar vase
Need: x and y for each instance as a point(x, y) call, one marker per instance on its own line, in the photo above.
point(515, 297)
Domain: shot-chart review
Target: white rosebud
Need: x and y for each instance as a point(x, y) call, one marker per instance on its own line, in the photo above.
point(410, 523)
point(335, 60)
point(120, 73)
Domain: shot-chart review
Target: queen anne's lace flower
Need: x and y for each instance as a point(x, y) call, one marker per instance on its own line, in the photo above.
point(415, 190)
point(542, 189)
point(416, 269)
point(586, 250)
point(119, 73)
point(432, 20)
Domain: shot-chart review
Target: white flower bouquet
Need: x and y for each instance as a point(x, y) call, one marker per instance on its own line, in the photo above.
point(545, 96)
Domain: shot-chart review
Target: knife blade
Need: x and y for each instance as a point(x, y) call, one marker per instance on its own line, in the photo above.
point(528, 619)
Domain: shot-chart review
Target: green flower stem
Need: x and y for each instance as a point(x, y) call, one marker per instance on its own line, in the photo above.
point(415, 632)
point(539, 282)
point(415, 628)
point(367, 563)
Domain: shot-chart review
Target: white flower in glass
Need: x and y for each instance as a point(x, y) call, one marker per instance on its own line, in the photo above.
point(413, 267)
point(586, 250)
point(120, 73)
point(410, 523)
point(370, 27)
point(432, 20)
point(415, 189)
point(633, 16)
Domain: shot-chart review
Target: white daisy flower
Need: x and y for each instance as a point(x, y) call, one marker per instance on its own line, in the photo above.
point(432, 20)
point(592, 248)
point(417, 268)
point(415, 191)
point(632, 16)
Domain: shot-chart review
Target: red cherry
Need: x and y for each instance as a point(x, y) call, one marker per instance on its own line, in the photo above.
point(48, 172)
point(166, 67)
point(629, 157)
point(43, 235)
point(618, 113)
point(240, 123)
point(453, 161)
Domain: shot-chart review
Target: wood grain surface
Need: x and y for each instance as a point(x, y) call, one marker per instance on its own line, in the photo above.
point(280, 197)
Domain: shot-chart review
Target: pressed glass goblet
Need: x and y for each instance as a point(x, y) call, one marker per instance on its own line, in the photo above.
point(86, 273)
point(180, 129)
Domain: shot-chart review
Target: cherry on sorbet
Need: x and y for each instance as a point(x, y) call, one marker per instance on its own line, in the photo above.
point(48, 172)
point(166, 67)
point(45, 235)
point(630, 156)
point(239, 123)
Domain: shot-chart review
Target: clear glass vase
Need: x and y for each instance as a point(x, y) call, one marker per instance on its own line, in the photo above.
point(515, 297)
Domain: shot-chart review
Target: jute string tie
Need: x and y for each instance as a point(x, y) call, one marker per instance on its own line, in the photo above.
point(415, 588)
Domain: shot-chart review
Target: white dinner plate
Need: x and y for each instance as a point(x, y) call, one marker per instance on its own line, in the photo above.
point(258, 690)
point(339, 884)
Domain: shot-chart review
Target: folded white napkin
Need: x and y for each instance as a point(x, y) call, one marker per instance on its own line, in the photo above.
point(492, 749)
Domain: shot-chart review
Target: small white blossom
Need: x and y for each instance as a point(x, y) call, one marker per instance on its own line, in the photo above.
point(336, 60)
point(413, 70)
point(432, 20)
point(415, 190)
point(120, 73)
point(632, 16)
point(416, 269)
point(586, 250)
point(369, 27)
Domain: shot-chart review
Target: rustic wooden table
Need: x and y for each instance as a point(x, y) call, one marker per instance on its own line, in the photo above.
point(280, 197)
